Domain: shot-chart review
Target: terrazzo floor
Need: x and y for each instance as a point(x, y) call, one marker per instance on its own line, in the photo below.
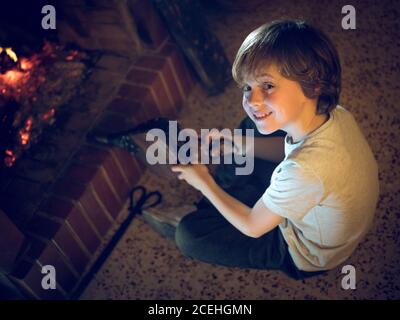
point(144, 265)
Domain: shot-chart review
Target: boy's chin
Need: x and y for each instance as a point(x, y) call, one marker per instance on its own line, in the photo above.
point(265, 130)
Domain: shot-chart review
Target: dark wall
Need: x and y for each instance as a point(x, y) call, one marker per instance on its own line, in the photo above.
point(20, 23)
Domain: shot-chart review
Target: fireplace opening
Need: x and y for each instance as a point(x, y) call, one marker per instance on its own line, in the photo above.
point(109, 64)
point(34, 90)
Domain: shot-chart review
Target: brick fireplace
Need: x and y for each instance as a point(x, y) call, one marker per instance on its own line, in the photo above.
point(63, 196)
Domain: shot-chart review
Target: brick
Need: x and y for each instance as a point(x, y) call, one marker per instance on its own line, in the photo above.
point(21, 199)
point(179, 68)
point(84, 195)
point(150, 27)
point(150, 62)
point(102, 186)
point(42, 226)
point(56, 207)
point(109, 30)
point(134, 110)
point(81, 174)
point(71, 248)
point(111, 122)
point(143, 95)
point(152, 80)
point(144, 77)
point(33, 281)
point(111, 202)
point(39, 171)
point(21, 268)
point(90, 155)
point(36, 247)
point(171, 86)
point(160, 65)
point(95, 212)
point(11, 242)
point(126, 47)
point(65, 276)
point(114, 63)
point(109, 78)
point(131, 168)
point(116, 177)
point(111, 170)
point(134, 92)
point(83, 229)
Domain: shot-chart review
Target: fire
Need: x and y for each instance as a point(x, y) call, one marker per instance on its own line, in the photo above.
point(15, 78)
point(10, 158)
point(49, 114)
point(24, 134)
point(25, 64)
point(10, 53)
point(12, 77)
point(23, 96)
point(72, 55)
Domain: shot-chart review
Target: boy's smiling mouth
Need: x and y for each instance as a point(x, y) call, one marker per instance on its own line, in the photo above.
point(261, 116)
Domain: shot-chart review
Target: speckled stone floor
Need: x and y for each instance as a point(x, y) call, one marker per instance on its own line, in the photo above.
point(144, 265)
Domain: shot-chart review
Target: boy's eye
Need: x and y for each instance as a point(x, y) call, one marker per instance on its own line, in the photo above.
point(267, 86)
point(246, 88)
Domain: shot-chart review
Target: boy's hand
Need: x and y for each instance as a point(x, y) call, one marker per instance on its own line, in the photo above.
point(197, 175)
point(226, 144)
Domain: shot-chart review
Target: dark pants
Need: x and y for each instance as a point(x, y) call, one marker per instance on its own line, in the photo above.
point(207, 236)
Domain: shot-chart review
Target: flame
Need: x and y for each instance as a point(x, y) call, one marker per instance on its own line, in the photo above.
point(10, 53)
point(24, 134)
point(13, 80)
point(25, 64)
point(10, 158)
point(72, 55)
point(12, 76)
point(49, 114)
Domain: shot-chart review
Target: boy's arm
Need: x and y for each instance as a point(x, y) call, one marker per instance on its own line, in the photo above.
point(253, 222)
point(266, 148)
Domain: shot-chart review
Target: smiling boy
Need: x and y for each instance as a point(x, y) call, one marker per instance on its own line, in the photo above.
point(321, 197)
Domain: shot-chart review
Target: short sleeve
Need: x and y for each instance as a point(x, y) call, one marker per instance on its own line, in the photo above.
point(293, 192)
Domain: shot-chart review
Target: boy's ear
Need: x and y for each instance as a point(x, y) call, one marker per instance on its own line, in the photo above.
point(317, 90)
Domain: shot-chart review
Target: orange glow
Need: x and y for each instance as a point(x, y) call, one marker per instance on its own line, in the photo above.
point(72, 55)
point(10, 159)
point(49, 114)
point(28, 124)
point(12, 76)
point(10, 53)
point(24, 136)
point(25, 64)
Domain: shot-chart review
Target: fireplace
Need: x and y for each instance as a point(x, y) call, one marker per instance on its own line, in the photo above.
point(33, 89)
point(107, 66)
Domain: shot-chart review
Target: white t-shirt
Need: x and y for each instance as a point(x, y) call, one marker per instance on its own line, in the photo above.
point(327, 189)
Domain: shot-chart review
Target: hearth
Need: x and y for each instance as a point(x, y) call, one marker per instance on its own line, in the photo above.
point(108, 65)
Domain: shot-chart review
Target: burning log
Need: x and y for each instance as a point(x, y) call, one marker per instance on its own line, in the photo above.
point(32, 89)
point(8, 60)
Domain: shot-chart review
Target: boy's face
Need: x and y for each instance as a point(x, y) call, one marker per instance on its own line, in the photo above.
point(272, 101)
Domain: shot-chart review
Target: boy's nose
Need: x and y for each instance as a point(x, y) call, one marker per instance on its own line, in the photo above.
point(255, 99)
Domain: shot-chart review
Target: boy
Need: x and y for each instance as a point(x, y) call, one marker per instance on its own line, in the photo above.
point(321, 197)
